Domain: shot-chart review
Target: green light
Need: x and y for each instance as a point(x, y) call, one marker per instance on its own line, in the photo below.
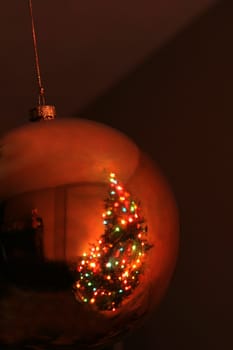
point(117, 229)
point(85, 300)
point(89, 284)
point(109, 212)
point(134, 247)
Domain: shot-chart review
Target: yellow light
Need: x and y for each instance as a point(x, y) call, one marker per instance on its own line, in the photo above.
point(138, 261)
point(83, 262)
point(112, 175)
point(122, 198)
point(123, 222)
point(92, 264)
point(108, 277)
point(78, 285)
point(84, 254)
point(92, 301)
point(134, 266)
point(100, 241)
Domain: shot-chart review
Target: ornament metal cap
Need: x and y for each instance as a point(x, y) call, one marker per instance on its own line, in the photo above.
point(43, 112)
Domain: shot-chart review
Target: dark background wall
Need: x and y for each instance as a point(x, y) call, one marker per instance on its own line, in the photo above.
point(178, 107)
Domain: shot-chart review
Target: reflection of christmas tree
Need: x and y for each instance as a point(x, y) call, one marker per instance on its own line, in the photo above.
point(111, 270)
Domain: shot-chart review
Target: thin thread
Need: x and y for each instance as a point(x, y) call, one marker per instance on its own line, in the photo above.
point(41, 97)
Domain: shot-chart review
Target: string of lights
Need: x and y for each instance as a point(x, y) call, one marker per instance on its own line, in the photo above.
point(111, 270)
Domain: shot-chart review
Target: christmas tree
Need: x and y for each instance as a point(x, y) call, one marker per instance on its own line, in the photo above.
point(111, 271)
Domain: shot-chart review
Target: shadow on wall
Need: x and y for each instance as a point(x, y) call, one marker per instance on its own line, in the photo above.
point(177, 106)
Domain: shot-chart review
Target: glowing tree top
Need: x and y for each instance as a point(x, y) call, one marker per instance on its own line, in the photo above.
point(111, 270)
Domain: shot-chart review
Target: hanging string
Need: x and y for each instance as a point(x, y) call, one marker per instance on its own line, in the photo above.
point(41, 97)
point(42, 111)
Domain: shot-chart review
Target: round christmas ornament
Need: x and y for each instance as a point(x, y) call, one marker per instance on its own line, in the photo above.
point(88, 233)
point(88, 236)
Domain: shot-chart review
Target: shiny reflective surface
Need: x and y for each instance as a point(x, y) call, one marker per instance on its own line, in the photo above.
point(65, 181)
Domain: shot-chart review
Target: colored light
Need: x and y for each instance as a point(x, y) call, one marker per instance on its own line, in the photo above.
point(115, 251)
point(113, 181)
